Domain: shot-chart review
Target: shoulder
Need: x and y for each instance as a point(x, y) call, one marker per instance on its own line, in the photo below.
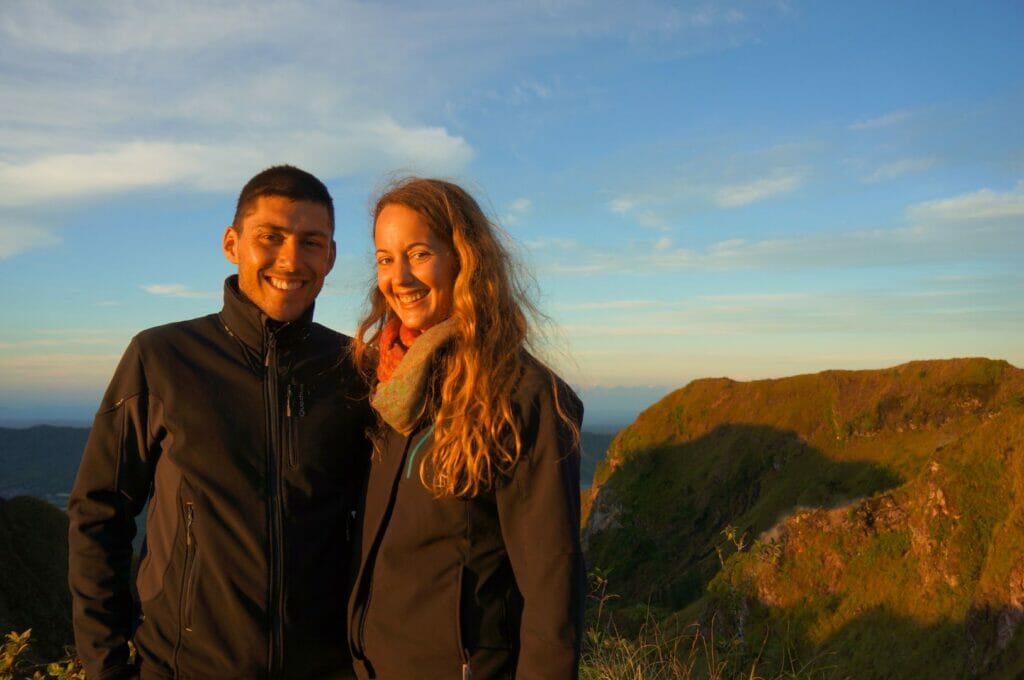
point(170, 331)
point(323, 334)
point(540, 387)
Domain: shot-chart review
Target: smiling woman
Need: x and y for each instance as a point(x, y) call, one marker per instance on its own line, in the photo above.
point(473, 565)
point(415, 269)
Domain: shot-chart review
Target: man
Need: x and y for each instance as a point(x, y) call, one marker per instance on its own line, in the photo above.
point(245, 432)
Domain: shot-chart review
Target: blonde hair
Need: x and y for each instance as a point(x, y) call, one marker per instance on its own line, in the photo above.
point(476, 436)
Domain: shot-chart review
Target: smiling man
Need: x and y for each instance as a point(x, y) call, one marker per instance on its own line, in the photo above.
point(245, 431)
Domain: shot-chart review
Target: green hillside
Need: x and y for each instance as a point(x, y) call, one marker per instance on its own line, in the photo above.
point(33, 576)
point(878, 517)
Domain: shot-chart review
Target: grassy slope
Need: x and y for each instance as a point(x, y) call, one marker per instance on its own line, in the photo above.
point(888, 504)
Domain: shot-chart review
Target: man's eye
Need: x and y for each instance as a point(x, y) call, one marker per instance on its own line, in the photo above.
point(383, 261)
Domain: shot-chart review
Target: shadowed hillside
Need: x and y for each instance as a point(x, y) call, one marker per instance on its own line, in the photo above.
point(33, 587)
point(873, 519)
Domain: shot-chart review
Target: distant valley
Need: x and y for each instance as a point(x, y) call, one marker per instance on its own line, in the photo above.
point(41, 460)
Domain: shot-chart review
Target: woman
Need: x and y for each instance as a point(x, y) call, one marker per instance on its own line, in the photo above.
point(470, 559)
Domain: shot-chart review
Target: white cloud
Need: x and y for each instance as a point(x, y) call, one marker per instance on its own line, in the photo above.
point(561, 245)
point(365, 146)
point(637, 208)
point(984, 224)
point(886, 120)
point(521, 205)
point(984, 204)
point(517, 210)
point(736, 195)
point(56, 371)
point(611, 304)
point(622, 205)
point(18, 238)
point(112, 96)
point(176, 290)
point(906, 166)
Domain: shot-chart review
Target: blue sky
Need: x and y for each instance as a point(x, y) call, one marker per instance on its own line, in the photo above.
point(748, 189)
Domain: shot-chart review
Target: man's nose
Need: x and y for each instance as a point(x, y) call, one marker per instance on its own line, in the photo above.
point(287, 254)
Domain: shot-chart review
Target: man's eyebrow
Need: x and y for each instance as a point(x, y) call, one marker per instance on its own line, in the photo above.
point(271, 226)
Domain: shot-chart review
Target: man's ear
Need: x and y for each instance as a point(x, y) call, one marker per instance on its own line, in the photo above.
point(334, 254)
point(231, 244)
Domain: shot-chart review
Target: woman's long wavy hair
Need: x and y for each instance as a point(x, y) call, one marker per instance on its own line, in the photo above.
point(476, 437)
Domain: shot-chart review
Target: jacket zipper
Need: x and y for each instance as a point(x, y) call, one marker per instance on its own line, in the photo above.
point(275, 599)
point(190, 558)
point(184, 604)
point(463, 652)
point(294, 394)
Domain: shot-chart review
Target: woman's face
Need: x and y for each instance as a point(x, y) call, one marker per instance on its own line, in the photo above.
point(415, 270)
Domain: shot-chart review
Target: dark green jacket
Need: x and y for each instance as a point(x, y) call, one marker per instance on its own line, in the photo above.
point(247, 438)
point(495, 584)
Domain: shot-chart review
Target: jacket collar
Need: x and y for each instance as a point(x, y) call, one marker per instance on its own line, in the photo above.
point(249, 324)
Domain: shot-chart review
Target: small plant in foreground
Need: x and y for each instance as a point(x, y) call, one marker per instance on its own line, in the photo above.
point(14, 665)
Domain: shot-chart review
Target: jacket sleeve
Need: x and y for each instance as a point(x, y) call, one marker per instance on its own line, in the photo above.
point(539, 510)
point(111, 487)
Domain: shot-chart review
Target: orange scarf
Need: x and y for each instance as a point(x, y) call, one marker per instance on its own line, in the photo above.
point(395, 341)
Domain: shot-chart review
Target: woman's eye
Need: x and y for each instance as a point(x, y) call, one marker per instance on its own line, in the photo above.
point(419, 255)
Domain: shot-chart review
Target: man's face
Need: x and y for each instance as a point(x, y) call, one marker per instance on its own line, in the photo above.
point(284, 250)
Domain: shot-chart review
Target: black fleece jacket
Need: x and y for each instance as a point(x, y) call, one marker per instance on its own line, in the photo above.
point(486, 587)
point(247, 437)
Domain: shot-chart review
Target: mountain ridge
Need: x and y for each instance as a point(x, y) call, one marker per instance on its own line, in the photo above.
point(796, 509)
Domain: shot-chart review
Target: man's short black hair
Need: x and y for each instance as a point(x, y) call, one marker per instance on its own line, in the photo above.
point(283, 180)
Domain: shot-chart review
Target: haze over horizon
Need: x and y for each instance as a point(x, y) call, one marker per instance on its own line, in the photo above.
point(741, 189)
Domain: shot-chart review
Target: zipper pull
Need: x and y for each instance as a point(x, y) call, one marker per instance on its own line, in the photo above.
point(465, 671)
point(288, 402)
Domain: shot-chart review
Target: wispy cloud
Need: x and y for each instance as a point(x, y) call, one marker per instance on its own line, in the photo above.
point(560, 245)
point(176, 290)
point(984, 204)
point(736, 195)
point(905, 166)
point(984, 224)
point(517, 210)
point(885, 120)
point(19, 238)
point(371, 144)
point(637, 208)
point(55, 371)
point(610, 304)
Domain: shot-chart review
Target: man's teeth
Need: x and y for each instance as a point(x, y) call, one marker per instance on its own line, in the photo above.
point(282, 284)
point(412, 297)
